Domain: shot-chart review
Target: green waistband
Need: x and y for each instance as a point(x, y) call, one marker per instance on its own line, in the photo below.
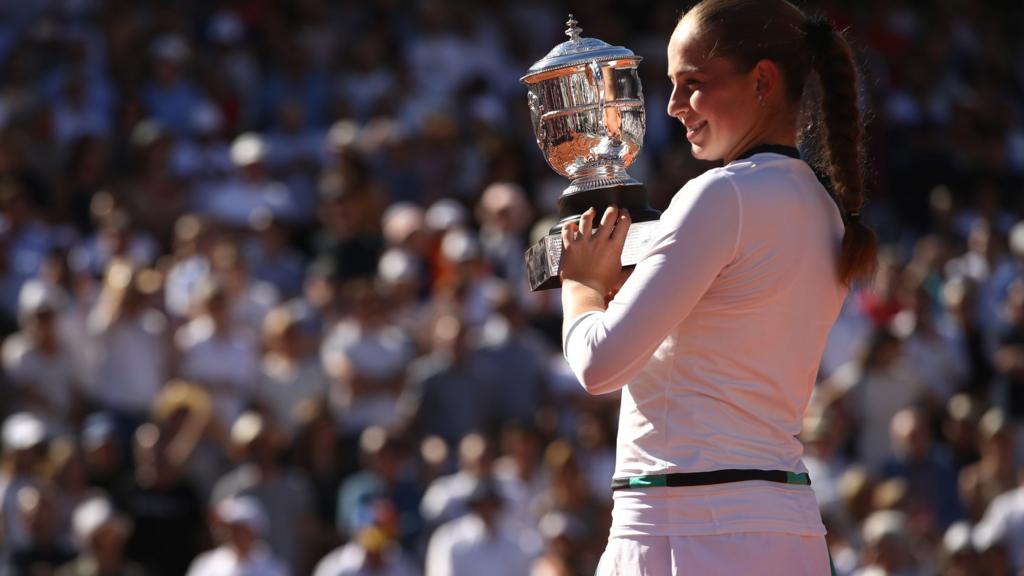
point(710, 477)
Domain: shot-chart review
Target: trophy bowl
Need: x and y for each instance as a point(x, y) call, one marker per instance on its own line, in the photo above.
point(587, 108)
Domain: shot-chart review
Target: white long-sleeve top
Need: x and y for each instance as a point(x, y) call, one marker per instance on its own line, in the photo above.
point(715, 341)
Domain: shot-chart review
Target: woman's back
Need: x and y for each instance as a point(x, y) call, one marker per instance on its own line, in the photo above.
point(728, 387)
point(717, 337)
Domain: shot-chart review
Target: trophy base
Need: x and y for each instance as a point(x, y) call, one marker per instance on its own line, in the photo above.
point(544, 257)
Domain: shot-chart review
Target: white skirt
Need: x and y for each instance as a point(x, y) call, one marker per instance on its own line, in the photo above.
point(764, 553)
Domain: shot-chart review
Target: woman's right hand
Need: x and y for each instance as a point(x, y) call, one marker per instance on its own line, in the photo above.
point(594, 258)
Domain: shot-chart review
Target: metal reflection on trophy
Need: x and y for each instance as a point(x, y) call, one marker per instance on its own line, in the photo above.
point(587, 107)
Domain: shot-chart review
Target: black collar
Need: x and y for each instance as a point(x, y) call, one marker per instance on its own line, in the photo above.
point(772, 148)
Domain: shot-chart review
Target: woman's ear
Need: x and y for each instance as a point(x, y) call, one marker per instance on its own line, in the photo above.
point(767, 78)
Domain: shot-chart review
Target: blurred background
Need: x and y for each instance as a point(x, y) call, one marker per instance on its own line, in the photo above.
point(264, 309)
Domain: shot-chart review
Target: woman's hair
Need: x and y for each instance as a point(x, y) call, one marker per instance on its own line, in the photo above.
point(748, 31)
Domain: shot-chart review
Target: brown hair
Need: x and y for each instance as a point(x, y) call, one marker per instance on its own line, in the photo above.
point(748, 31)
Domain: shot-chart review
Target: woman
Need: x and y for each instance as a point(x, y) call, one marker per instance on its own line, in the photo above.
point(715, 338)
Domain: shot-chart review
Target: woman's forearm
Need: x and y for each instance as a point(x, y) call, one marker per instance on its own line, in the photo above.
point(578, 299)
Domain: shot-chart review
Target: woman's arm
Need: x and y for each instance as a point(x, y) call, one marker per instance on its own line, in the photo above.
point(699, 236)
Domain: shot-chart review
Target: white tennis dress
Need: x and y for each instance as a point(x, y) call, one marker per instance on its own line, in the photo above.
point(715, 341)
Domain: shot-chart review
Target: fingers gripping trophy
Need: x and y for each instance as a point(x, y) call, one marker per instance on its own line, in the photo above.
point(587, 107)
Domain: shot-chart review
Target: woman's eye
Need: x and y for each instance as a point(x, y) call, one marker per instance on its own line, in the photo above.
point(691, 83)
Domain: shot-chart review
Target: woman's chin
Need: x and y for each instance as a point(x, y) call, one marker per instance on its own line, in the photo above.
point(701, 153)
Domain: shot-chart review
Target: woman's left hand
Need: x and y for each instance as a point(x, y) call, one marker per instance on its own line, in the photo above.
point(594, 257)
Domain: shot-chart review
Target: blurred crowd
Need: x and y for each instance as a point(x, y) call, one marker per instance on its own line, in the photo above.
point(264, 305)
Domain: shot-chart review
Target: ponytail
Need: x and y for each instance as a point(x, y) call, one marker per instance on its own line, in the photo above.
point(832, 59)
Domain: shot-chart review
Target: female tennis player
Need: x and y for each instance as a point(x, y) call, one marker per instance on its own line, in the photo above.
point(716, 336)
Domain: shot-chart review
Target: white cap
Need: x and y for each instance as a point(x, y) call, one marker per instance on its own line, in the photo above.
point(37, 295)
point(248, 149)
point(247, 428)
point(342, 134)
point(1017, 239)
point(242, 511)
point(397, 266)
point(958, 538)
point(400, 220)
point(170, 47)
point(22, 431)
point(92, 515)
point(446, 213)
point(460, 246)
point(884, 524)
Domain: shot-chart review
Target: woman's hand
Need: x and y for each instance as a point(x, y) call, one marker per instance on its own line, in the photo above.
point(594, 258)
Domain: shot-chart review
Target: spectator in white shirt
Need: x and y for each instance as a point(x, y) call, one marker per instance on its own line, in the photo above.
point(24, 444)
point(447, 497)
point(371, 552)
point(250, 299)
point(233, 202)
point(366, 357)
point(101, 533)
point(217, 355)
point(1003, 525)
point(36, 359)
point(242, 524)
point(133, 339)
point(283, 493)
point(888, 549)
point(462, 546)
point(289, 375)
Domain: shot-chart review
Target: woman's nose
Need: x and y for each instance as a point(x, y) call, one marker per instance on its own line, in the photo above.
point(677, 101)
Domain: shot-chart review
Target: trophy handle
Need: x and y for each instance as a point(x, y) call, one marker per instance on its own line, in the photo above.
point(537, 110)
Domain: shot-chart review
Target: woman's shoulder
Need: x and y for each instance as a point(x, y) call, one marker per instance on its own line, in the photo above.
point(713, 190)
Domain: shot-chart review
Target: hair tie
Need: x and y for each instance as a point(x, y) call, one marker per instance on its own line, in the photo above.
point(818, 33)
point(853, 217)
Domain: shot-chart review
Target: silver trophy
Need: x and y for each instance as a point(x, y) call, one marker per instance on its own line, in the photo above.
point(587, 107)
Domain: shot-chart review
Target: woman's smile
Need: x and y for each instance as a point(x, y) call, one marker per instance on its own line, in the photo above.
point(693, 130)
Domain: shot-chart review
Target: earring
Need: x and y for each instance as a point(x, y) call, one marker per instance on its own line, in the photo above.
point(760, 100)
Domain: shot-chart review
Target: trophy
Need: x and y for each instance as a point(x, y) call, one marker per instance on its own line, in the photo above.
point(587, 107)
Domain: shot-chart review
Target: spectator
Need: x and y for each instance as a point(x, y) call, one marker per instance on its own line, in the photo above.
point(384, 475)
point(887, 546)
point(1003, 526)
point(241, 524)
point(24, 438)
point(290, 375)
point(217, 354)
point(874, 390)
point(366, 356)
point(927, 469)
point(372, 551)
point(164, 505)
point(133, 339)
point(170, 97)
point(995, 473)
point(1010, 354)
point(463, 545)
point(447, 497)
point(282, 494)
point(235, 202)
point(101, 532)
point(449, 391)
point(36, 360)
point(959, 556)
point(47, 548)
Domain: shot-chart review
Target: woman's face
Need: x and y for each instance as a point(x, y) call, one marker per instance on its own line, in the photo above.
point(717, 104)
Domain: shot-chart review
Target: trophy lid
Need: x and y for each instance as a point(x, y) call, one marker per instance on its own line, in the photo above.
point(575, 51)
